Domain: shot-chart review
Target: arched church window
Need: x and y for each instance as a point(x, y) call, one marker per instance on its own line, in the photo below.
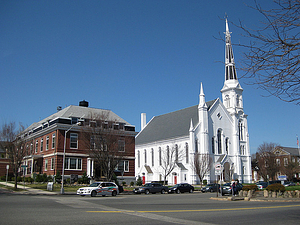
point(168, 155)
point(145, 154)
point(159, 155)
point(139, 159)
point(213, 145)
point(152, 156)
point(196, 145)
point(227, 101)
point(237, 100)
point(219, 141)
point(227, 145)
point(187, 152)
point(241, 131)
point(176, 152)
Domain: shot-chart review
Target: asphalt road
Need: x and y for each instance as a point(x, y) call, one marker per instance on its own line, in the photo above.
point(195, 208)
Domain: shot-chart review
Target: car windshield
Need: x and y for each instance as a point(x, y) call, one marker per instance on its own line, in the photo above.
point(147, 185)
point(177, 185)
point(94, 185)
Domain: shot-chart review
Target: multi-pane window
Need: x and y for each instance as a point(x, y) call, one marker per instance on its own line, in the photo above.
point(46, 164)
point(73, 140)
point(73, 163)
point(52, 163)
point(42, 143)
point(53, 140)
point(121, 145)
point(285, 161)
point(36, 146)
point(145, 155)
point(47, 143)
point(123, 166)
point(31, 148)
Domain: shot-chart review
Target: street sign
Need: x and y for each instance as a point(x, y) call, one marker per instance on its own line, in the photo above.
point(218, 167)
point(217, 172)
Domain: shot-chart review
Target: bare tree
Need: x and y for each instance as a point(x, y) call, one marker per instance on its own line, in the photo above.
point(170, 156)
point(105, 141)
point(290, 169)
point(272, 55)
point(201, 165)
point(13, 143)
point(266, 161)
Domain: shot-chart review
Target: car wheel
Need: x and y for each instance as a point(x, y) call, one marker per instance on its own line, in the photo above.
point(94, 193)
point(114, 193)
point(191, 191)
point(147, 192)
point(178, 191)
point(163, 191)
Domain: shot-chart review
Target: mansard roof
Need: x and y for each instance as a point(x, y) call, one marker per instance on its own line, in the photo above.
point(171, 125)
point(74, 111)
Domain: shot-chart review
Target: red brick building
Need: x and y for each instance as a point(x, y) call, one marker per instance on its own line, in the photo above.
point(45, 143)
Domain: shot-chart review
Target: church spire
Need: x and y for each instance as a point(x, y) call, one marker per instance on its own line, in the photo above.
point(202, 98)
point(230, 72)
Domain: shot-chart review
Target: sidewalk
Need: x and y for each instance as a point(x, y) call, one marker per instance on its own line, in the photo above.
point(34, 191)
point(258, 196)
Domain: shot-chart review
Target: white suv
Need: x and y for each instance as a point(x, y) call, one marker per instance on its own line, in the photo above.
point(99, 188)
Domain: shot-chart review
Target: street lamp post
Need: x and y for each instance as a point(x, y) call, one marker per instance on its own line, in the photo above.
point(62, 190)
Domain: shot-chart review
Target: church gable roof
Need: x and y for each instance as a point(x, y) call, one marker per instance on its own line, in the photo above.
point(171, 125)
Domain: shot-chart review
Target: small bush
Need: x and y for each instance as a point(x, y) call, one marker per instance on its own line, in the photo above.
point(131, 183)
point(204, 182)
point(276, 187)
point(139, 181)
point(3, 178)
point(250, 187)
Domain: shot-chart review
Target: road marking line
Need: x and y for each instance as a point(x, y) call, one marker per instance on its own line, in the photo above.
point(194, 210)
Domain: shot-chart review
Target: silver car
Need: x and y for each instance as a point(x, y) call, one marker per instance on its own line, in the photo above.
point(99, 188)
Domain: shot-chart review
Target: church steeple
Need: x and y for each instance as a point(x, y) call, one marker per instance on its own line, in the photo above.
point(230, 72)
point(232, 90)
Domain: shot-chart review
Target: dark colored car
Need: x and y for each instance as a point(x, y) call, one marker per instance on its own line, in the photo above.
point(151, 188)
point(288, 183)
point(210, 188)
point(227, 188)
point(180, 188)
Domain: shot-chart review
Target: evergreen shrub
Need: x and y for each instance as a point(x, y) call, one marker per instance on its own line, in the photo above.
point(276, 187)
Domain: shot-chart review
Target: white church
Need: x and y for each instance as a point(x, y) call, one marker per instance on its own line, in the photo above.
point(217, 128)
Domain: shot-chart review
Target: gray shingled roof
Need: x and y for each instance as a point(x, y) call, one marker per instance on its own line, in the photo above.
point(292, 151)
point(170, 125)
point(79, 112)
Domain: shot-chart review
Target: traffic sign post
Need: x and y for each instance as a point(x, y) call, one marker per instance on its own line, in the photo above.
point(218, 169)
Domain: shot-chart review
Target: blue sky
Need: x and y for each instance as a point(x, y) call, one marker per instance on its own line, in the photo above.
point(130, 57)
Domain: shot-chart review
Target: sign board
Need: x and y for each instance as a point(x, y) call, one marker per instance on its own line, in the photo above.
point(7, 167)
point(282, 177)
point(217, 172)
point(218, 167)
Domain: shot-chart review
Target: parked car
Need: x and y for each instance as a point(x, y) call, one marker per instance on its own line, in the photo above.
point(210, 188)
point(180, 188)
point(262, 184)
point(227, 188)
point(151, 188)
point(99, 188)
point(288, 183)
